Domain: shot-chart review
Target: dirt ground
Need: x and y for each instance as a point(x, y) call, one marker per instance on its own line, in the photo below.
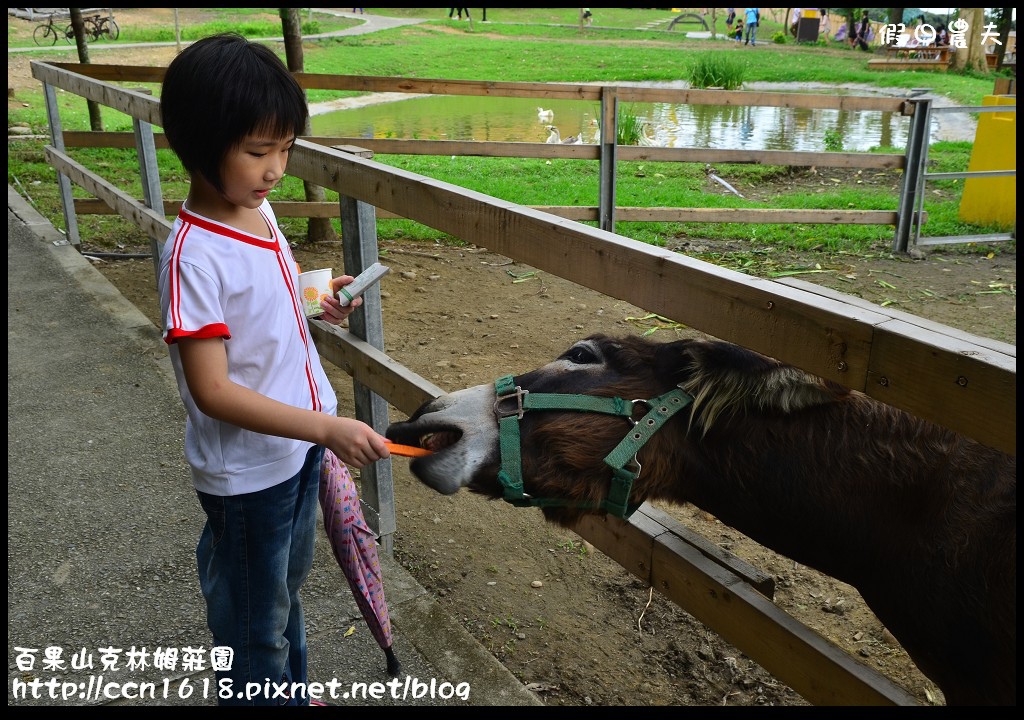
point(591, 634)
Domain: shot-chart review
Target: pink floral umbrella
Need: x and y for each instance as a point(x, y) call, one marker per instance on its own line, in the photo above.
point(355, 549)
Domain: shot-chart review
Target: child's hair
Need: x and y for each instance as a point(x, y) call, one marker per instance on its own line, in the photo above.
point(220, 90)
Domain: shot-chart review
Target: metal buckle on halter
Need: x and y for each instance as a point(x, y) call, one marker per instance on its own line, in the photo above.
point(518, 411)
point(634, 403)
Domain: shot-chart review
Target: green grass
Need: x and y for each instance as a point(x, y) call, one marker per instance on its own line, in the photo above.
point(545, 45)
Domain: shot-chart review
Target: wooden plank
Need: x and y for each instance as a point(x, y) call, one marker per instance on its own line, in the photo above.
point(929, 65)
point(301, 209)
point(151, 223)
point(994, 345)
point(948, 380)
point(130, 102)
point(401, 387)
point(584, 151)
point(538, 90)
point(760, 581)
point(820, 671)
point(587, 151)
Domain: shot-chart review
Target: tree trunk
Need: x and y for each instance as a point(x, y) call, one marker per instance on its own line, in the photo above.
point(973, 56)
point(1004, 25)
point(317, 229)
point(78, 27)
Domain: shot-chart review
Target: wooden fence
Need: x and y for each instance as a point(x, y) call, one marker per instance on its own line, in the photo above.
point(961, 381)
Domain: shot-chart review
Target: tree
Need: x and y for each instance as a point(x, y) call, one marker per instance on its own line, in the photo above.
point(1004, 23)
point(896, 15)
point(973, 56)
point(318, 229)
point(78, 27)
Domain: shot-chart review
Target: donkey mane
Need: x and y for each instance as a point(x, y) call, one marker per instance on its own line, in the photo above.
point(724, 391)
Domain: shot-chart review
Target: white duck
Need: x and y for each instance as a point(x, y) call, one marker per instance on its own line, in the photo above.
point(556, 137)
point(545, 115)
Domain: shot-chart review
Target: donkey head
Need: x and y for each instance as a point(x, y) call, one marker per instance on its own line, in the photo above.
point(562, 452)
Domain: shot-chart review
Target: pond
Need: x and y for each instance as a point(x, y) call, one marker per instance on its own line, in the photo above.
point(455, 117)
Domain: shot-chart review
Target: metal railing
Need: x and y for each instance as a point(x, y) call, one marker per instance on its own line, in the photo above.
point(911, 208)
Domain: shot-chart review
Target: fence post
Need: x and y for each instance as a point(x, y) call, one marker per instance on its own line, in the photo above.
point(149, 172)
point(908, 217)
point(608, 169)
point(67, 200)
point(359, 251)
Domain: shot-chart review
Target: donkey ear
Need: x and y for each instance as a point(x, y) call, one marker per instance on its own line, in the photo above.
point(677, 361)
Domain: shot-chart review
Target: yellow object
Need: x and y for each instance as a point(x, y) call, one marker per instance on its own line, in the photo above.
point(993, 200)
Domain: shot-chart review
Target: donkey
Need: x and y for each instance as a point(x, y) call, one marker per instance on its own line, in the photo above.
point(922, 521)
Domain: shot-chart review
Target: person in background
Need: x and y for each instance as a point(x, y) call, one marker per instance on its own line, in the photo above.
point(751, 19)
point(259, 407)
point(730, 18)
point(794, 20)
point(825, 25)
point(862, 33)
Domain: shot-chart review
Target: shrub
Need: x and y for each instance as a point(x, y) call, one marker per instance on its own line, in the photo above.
point(833, 141)
point(779, 38)
point(716, 70)
point(630, 128)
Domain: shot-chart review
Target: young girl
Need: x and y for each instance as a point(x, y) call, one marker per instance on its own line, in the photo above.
point(260, 409)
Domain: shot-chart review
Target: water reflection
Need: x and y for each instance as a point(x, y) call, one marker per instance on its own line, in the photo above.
point(669, 125)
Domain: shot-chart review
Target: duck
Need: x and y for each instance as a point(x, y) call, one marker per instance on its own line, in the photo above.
point(545, 115)
point(645, 136)
point(556, 137)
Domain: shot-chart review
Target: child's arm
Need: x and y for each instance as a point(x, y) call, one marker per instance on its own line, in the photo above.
point(204, 363)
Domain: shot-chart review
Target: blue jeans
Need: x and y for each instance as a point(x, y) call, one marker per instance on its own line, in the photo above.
point(751, 33)
point(254, 553)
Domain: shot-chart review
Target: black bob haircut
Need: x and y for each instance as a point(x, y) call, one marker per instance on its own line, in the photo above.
point(218, 91)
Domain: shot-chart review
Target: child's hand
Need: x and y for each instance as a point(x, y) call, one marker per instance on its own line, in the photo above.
point(334, 313)
point(355, 443)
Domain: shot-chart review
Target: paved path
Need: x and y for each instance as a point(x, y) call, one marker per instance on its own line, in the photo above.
point(371, 23)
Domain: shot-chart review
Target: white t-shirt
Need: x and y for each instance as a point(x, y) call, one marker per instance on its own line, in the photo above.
point(216, 281)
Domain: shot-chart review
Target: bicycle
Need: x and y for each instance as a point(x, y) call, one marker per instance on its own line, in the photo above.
point(100, 26)
point(48, 33)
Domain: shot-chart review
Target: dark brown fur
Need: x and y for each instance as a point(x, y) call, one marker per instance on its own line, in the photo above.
point(920, 520)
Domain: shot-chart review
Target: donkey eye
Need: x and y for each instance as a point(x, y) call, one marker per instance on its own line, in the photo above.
point(581, 354)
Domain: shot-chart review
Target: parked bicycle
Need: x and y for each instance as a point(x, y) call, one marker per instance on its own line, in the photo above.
point(49, 32)
point(98, 27)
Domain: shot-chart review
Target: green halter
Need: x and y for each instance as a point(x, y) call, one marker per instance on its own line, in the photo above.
point(510, 475)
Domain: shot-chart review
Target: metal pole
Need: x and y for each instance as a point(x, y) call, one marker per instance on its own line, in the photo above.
point(609, 136)
point(359, 251)
point(916, 147)
point(67, 200)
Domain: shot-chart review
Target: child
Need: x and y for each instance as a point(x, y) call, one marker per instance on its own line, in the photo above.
point(739, 32)
point(260, 409)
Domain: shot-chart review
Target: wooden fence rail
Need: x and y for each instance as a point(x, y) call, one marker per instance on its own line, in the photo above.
point(607, 155)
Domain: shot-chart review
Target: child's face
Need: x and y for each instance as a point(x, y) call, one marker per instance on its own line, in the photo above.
point(251, 170)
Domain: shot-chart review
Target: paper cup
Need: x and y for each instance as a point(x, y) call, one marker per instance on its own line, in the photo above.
point(313, 286)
